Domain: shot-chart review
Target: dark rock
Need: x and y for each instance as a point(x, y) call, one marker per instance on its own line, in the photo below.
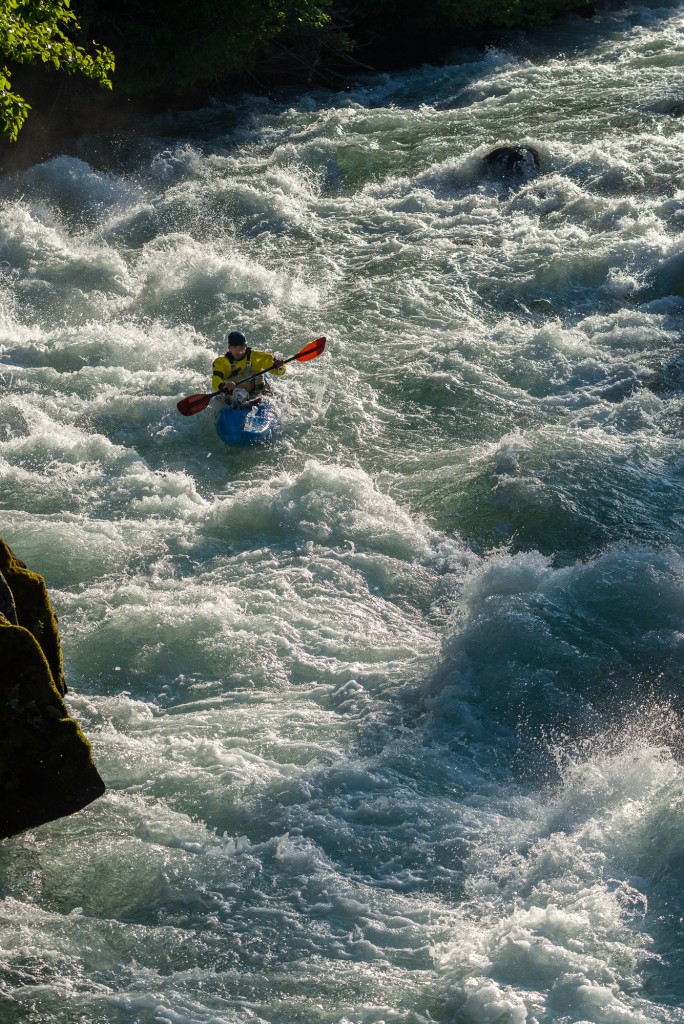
point(33, 610)
point(46, 766)
point(507, 160)
point(7, 605)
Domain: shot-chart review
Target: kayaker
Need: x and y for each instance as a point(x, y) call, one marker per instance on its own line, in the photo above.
point(240, 362)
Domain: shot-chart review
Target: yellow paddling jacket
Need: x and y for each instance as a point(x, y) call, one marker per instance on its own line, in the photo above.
point(226, 368)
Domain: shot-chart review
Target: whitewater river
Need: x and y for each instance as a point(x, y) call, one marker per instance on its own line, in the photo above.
point(389, 710)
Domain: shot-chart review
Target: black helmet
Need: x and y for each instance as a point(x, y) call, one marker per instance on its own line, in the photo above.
point(236, 338)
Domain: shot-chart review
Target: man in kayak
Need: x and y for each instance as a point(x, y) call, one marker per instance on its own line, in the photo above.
point(240, 362)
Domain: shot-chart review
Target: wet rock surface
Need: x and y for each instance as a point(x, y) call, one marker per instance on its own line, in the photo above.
point(46, 765)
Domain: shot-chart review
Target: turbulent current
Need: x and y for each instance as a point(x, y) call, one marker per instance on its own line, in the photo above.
point(389, 709)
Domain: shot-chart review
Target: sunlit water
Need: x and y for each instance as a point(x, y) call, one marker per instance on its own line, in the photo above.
point(388, 709)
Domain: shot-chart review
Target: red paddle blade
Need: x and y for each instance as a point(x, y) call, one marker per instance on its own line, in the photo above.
point(311, 351)
point(192, 404)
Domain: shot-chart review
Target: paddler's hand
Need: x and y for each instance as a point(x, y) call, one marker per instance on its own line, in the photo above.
point(228, 385)
point(278, 364)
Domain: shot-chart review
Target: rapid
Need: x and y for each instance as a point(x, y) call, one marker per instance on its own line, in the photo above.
point(389, 709)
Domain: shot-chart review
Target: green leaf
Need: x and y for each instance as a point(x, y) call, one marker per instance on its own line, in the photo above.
point(37, 30)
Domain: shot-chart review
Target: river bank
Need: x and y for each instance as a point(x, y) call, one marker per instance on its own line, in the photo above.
point(67, 108)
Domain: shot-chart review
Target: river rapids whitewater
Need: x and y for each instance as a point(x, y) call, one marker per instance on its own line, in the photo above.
point(389, 709)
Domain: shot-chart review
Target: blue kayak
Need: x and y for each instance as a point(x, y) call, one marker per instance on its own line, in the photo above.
point(244, 426)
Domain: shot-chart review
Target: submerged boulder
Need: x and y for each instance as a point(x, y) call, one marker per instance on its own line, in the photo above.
point(46, 765)
point(506, 160)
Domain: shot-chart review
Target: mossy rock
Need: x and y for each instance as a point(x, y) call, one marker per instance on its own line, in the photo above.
point(46, 765)
point(33, 609)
